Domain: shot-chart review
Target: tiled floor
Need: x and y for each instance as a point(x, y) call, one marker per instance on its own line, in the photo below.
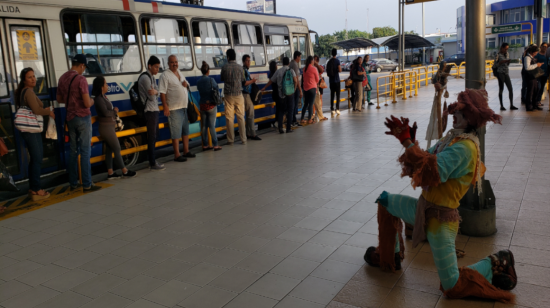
point(282, 223)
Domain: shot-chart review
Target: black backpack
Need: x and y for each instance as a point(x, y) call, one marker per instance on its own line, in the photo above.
point(330, 69)
point(138, 104)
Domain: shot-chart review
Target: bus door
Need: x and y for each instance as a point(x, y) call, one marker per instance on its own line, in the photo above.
point(26, 48)
point(299, 44)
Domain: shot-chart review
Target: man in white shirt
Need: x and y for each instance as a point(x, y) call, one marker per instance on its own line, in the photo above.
point(173, 94)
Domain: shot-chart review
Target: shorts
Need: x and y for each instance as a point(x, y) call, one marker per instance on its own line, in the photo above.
point(178, 123)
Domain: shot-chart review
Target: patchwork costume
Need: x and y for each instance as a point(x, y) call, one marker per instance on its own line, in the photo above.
point(445, 173)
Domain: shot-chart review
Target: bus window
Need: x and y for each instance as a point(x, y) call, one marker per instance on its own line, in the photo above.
point(299, 43)
point(163, 37)
point(30, 35)
point(3, 79)
point(248, 41)
point(277, 42)
point(107, 40)
point(211, 40)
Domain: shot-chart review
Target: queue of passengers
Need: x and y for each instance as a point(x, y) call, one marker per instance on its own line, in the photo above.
point(173, 90)
point(534, 75)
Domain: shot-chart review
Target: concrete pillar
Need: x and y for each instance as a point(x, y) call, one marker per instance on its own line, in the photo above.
point(478, 211)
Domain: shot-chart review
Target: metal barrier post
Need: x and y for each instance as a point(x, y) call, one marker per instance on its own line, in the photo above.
point(394, 86)
point(404, 85)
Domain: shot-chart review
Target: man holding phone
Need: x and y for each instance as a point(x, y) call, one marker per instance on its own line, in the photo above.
point(502, 62)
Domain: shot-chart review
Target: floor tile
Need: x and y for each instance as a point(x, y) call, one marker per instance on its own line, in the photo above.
point(201, 274)
point(98, 285)
point(295, 268)
point(259, 262)
point(235, 280)
point(69, 280)
point(317, 290)
point(171, 293)
point(246, 299)
point(335, 271)
point(136, 287)
point(208, 297)
point(30, 298)
point(66, 299)
point(293, 302)
point(313, 252)
point(273, 286)
point(108, 300)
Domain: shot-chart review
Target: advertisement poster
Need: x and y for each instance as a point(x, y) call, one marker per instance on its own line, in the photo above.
point(259, 5)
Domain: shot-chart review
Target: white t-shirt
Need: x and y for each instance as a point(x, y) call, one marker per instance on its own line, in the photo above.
point(171, 85)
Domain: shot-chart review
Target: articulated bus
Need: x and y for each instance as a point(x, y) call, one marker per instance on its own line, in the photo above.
point(117, 38)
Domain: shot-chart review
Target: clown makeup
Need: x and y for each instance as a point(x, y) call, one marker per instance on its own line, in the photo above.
point(459, 121)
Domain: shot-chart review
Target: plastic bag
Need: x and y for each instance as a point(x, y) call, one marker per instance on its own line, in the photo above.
point(6, 181)
point(51, 133)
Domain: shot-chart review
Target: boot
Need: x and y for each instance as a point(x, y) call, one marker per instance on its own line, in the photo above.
point(372, 257)
point(504, 273)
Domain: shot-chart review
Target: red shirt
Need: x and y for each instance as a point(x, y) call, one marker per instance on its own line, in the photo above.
point(75, 104)
point(311, 77)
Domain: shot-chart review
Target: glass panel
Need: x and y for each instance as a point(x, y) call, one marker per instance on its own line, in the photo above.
point(10, 160)
point(164, 51)
point(213, 55)
point(278, 53)
point(295, 43)
point(302, 44)
point(3, 80)
point(256, 53)
point(164, 31)
point(275, 30)
point(28, 52)
point(249, 35)
point(210, 32)
point(108, 59)
point(277, 40)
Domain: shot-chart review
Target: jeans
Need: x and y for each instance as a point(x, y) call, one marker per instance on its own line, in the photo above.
point(309, 100)
point(209, 122)
point(111, 145)
point(288, 108)
point(542, 86)
point(36, 152)
point(296, 102)
point(80, 134)
point(502, 80)
point(335, 91)
point(152, 119)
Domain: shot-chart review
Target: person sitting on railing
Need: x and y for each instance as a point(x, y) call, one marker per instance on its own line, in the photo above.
point(209, 108)
point(106, 117)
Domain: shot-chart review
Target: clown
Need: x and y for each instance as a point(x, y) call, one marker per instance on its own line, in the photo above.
point(445, 173)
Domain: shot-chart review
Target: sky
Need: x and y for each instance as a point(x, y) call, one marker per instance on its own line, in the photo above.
point(326, 17)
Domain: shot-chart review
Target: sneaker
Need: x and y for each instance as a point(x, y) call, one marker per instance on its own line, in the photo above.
point(372, 257)
point(254, 138)
point(338, 112)
point(189, 154)
point(91, 188)
point(332, 113)
point(113, 176)
point(370, 104)
point(129, 174)
point(71, 188)
point(180, 159)
point(157, 166)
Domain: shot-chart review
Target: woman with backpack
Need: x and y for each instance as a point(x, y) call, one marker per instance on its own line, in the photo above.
point(357, 75)
point(502, 61)
point(26, 98)
point(106, 117)
point(209, 108)
point(310, 80)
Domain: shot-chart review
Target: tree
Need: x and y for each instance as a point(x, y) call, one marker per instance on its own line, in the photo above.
point(383, 31)
point(411, 32)
point(325, 47)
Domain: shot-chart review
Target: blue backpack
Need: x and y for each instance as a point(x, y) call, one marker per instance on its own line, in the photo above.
point(288, 83)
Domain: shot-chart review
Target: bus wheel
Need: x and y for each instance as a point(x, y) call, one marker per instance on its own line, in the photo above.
point(129, 142)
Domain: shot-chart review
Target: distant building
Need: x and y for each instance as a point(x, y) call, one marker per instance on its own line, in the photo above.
point(504, 13)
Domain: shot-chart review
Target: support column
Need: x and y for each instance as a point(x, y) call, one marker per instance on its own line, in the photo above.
point(423, 35)
point(478, 211)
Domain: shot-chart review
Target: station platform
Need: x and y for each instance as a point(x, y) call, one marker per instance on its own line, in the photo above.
point(283, 222)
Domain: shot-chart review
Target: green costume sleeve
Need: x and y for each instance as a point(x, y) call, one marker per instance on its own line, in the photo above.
point(455, 161)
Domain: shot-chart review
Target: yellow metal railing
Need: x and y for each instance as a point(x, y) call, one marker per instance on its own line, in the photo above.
point(387, 89)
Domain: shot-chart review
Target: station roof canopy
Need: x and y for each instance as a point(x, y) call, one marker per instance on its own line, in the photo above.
point(411, 42)
point(356, 43)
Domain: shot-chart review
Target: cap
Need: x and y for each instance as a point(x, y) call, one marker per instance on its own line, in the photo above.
point(80, 58)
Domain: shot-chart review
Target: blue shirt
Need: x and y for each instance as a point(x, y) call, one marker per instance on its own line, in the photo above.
point(205, 85)
point(544, 60)
point(336, 77)
point(248, 88)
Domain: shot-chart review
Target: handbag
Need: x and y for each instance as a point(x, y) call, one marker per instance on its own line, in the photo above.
point(192, 114)
point(25, 120)
point(349, 83)
point(367, 86)
point(495, 66)
point(215, 93)
point(323, 84)
point(119, 125)
point(536, 73)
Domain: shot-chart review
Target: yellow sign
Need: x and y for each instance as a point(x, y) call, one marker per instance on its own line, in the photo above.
point(26, 42)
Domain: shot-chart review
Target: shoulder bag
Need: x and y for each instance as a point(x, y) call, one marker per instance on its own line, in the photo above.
point(215, 93)
point(25, 120)
point(192, 114)
point(322, 83)
point(536, 72)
